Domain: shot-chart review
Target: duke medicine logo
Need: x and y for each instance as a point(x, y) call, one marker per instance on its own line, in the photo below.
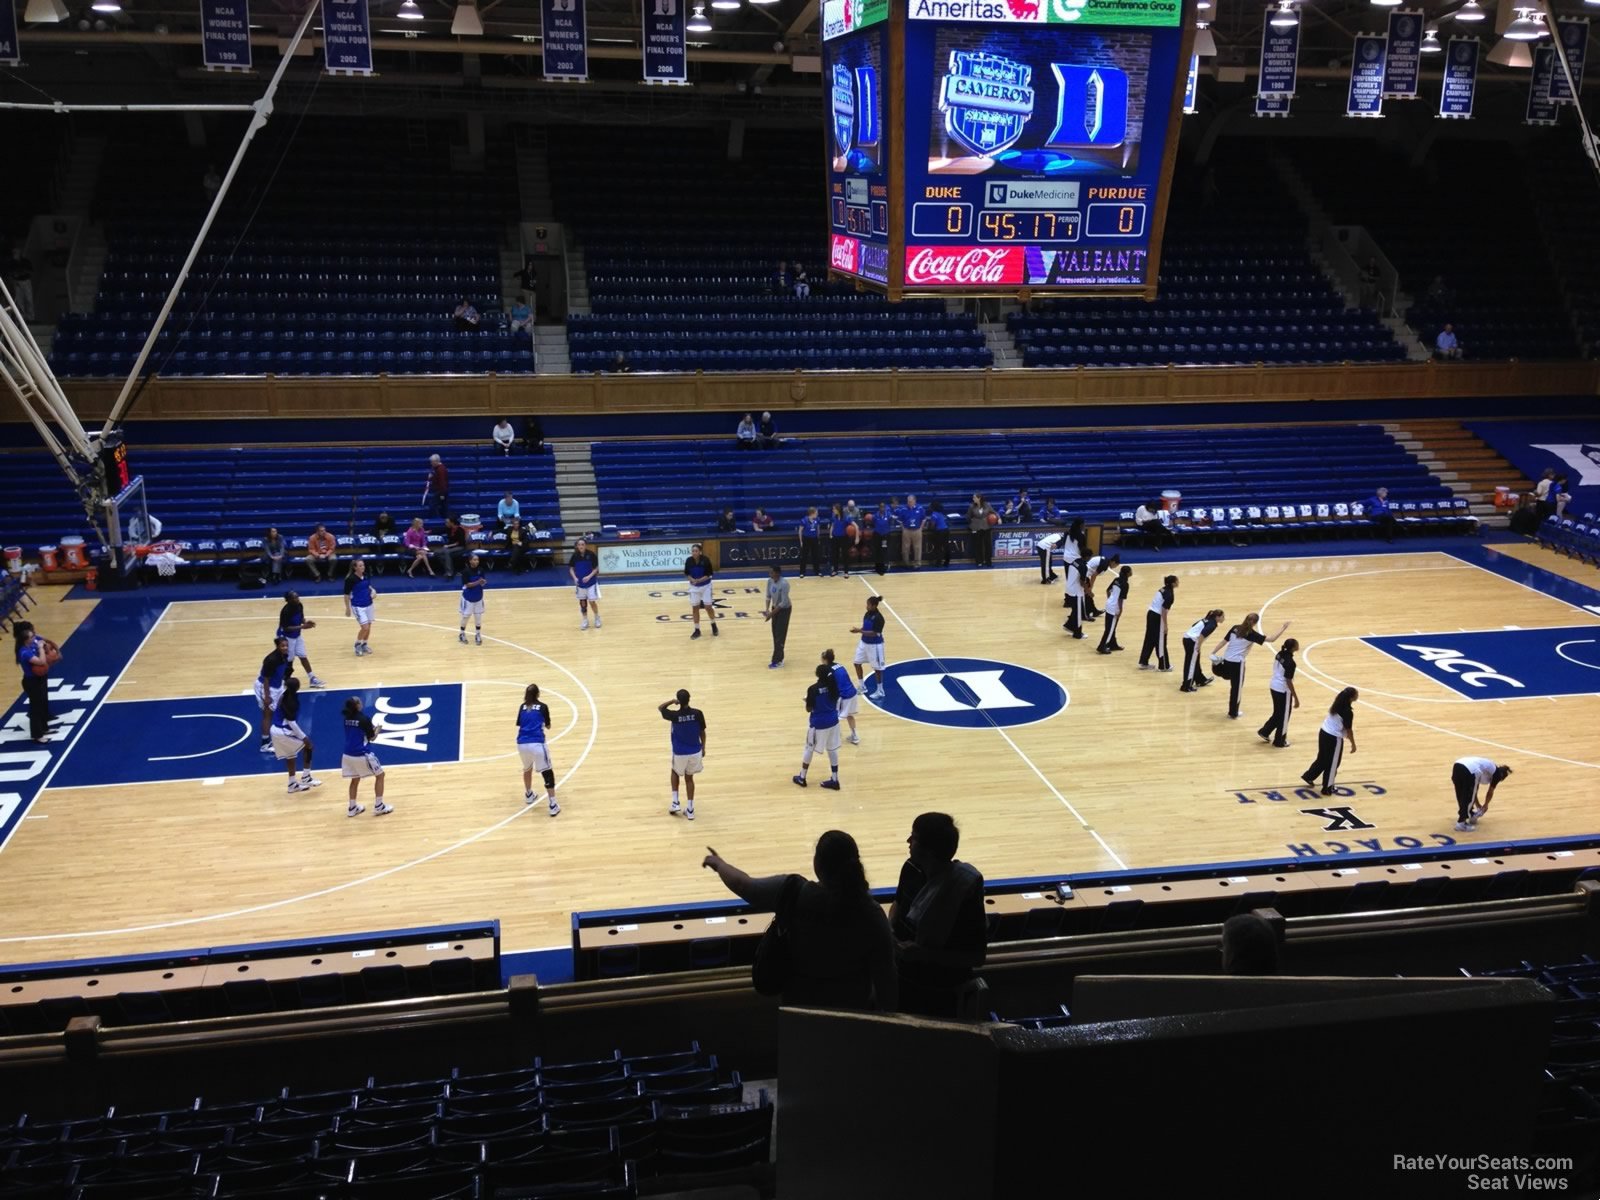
point(970, 693)
point(986, 100)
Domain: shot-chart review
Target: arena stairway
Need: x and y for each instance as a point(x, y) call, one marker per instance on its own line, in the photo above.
point(1464, 462)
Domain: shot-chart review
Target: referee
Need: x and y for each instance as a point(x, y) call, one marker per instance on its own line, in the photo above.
point(778, 612)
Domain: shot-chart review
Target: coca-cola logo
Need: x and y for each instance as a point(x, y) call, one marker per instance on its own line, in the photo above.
point(844, 253)
point(977, 265)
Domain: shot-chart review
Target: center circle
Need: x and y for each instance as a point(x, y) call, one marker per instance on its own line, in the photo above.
point(970, 693)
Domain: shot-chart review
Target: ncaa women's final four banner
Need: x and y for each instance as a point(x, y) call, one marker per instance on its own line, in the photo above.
point(564, 26)
point(225, 34)
point(665, 41)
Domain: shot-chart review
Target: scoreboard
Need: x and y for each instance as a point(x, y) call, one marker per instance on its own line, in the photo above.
point(854, 68)
point(1029, 143)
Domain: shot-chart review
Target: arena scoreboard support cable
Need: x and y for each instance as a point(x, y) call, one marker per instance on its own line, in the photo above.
point(1002, 147)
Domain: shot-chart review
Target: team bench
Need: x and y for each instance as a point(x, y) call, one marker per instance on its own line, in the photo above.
point(1275, 522)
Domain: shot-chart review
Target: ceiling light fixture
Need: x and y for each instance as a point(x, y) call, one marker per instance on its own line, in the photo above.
point(45, 12)
point(725, 5)
point(697, 22)
point(107, 6)
point(1285, 16)
point(1386, 3)
point(1205, 42)
point(409, 11)
point(1527, 27)
point(466, 22)
point(1470, 11)
point(1430, 42)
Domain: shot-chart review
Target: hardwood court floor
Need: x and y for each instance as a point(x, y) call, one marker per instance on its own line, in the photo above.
point(1131, 773)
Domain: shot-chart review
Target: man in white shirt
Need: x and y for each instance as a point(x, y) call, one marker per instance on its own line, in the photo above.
point(504, 436)
point(1466, 775)
point(1148, 518)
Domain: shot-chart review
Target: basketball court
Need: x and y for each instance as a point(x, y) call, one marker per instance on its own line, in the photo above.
point(154, 823)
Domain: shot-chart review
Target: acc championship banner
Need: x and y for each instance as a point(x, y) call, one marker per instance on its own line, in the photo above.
point(1403, 63)
point(347, 36)
point(1191, 84)
point(1541, 109)
point(9, 54)
point(666, 42)
point(565, 28)
point(225, 34)
point(1574, 35)
point(1280, 56)
point(1366, 76)
point(1460, 78)
point(643, 558)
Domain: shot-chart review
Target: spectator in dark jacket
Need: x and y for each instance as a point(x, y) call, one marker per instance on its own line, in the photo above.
point(841, 954)
point(938, 919)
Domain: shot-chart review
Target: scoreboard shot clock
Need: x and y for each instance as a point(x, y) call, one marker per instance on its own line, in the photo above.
point(1027, 145)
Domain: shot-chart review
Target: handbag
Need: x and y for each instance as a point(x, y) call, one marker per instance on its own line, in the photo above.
point(774, 953)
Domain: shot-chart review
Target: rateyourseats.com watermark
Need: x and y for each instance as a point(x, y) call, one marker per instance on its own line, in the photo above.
point(1493, 1173)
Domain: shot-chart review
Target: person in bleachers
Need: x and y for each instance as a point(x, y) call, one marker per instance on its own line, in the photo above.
point(1148, 518)
point(1526, 519)
point(726, 523)
point(507, 511)
point(761, 521)
point(504, 436)
point(767, 431)
point(466, 316)
point(1022, 507)
point(1050, 514)
point(438, 486)
point(1551, 493)
point(415, 540)
point(522, 317)
point(1446, 345)
point(802, 282)
point(19, 278)
point(981, 519)
point(1249, 945)
point(840, 948)
point(781, 280)
point(528, 277)
point(454, 544)
point(940, 928)
point(746, 432)
point(383, 527)
point(517, 546)
point(1382, 513)
point(274, 551)
point(533, 436)
point(322, 549)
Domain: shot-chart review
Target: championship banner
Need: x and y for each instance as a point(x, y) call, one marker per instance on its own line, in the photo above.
point(224, 34)
point(1280, 62)
point(665, 41)
point(346, 37)
point(1541, 109)
point(1460, 78)
point(1574, 35)
point(10, 54)
point(1403, 64)
point(1191, 84)
point(1366, 76)
point(565, 28)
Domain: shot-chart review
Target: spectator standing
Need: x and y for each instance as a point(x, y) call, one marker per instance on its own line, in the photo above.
point(777, 613)
point(466, 316)
point(438, 486)
point(912, 518)
point(746, 432)
point(1446, 345)
point(415, 539)
point(19, 270)
point(768, 432)
point(36, 655)
point(809, 531)
point(1148, 518)
point(274, 550)
point(979, 526)
point(455, 542)
point(883, 527)
point(1382, 514)
point(528, 277)
point(938, 535)
point(522, 317)
point(841, 952)
point(938, 919)
point(506, 510)
point(322, 549)
point(504, 436)
point(1525, 520)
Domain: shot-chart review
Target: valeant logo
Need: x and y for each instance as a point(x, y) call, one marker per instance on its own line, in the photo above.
point(845, 254)
point(992, 265)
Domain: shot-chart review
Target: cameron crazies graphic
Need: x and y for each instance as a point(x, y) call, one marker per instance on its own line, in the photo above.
point(1337, 818)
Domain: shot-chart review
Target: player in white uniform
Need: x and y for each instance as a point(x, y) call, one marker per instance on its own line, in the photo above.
point(698, 570)
point(1338, 727)
point(472, 585)
point(290, 742)
point(1466, 775)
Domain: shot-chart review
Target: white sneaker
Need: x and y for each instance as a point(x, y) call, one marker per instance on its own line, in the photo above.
point(296, 786)
point(689, 814)
point(308, 783)
point(317, 683)
point(527, 797)
point(1465, 827)
point(555, 809)
point(266, 746)
point(1474, 813)
point(478, 638)
point(381, 809)
point(674, 810)
point(855, 739)
point(597, 622)
point(585, 624)
point(462, 637)
point(355, 810)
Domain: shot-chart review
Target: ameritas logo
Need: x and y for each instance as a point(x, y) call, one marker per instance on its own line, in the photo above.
point(1051, 12)
point(840, 17)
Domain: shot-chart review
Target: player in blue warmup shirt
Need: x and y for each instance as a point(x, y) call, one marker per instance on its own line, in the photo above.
point(289, 741)
point(292, 624)
point(359, 762)
point(809, 532)
point(584, 568)
point(939, 535)
point(533, 721)
point(275, 668)
point(912, 517)
point(472, 585)
point(698, 570)
point(358, 597)
point(688, 747)
point(869, 650)
point(849, 694)
point(841, 544)
point(822, 727)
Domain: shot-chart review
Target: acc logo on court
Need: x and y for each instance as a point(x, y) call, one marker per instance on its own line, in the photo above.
point(970, 693)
